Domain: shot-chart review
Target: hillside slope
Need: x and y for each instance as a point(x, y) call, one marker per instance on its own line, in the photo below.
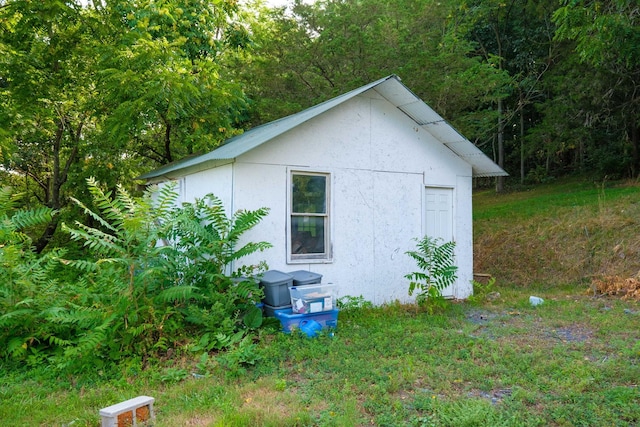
point(563, 233)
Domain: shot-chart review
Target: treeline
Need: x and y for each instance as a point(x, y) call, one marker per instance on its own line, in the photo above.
point(546, 88)
point(113, 88)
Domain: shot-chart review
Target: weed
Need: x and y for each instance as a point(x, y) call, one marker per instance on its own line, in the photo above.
point(482, 290)
point(437, 271)
point(349, 302)
point(281, 384)
point(173, 375)
point(235, 360)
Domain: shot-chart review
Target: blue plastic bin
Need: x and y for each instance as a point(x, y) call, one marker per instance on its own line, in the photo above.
point(270, 311)
point(291, 321)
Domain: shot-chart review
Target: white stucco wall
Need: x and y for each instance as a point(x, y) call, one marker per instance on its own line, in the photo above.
point(380, 163)
point(217, 181)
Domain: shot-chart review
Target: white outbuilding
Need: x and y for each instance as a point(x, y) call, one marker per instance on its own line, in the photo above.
point(350, 183)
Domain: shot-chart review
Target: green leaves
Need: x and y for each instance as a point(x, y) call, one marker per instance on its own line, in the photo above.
point(605, 47)
point(253, 318)
point(148, 296)
point(436, 262)
point(202, 231)
point(605, 32)
point(111, 89)
point(161, 78)
point(150, 279)
point(27, 280)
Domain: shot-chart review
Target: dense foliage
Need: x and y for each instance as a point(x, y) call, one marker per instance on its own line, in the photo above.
point(156, 276)
point(112, 89)
point(546, 88)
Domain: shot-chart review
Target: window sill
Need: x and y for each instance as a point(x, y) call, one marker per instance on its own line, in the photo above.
point(310, 261)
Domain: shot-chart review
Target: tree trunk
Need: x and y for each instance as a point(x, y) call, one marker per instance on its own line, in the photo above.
point(634, 136)
point(500, 179)
point(59, 176)
point(521, 138)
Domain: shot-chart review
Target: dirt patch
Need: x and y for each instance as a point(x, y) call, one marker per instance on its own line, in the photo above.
point(570, 334)
point(494, 396)
point(480, 317)
point(509, 323)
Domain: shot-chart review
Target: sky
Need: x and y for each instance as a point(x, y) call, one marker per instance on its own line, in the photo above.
point(277, 3)
point(272, 3)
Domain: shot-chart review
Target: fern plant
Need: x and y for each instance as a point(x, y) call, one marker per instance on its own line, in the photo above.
point(27, 281)
point(206, 241)
point(437, 270)
point(122, 270)
point(154, 275)
point(158, 273)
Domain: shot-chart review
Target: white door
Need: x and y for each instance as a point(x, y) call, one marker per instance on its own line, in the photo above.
point(439, 213)
point(439, 219)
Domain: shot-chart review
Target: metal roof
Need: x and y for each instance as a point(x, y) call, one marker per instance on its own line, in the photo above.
point(391, 88)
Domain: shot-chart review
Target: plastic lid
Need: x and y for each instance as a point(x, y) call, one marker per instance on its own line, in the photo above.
point(275, 276)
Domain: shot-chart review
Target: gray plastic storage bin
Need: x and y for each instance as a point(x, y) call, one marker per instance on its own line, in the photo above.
point(276, 287)
point(304, 277)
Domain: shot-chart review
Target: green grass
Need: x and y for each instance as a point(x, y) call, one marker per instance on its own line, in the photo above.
point(575, 360)
point(544, 199)
point(565, 233)
point(572, 361)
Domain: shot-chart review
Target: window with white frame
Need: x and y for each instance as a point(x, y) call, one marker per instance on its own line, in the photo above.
point(309, 216)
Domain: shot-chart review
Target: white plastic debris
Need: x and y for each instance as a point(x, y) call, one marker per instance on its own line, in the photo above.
point(535, 300)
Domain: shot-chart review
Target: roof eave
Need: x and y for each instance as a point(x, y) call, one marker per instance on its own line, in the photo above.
point(390, 88)
point(489, 174)
point(172, 171)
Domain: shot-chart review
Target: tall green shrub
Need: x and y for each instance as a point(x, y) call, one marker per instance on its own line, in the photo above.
point(204, 242)
point(27, 285)
point(155, 275)
point(159, 275)
point(437, 269)
point(125, 269)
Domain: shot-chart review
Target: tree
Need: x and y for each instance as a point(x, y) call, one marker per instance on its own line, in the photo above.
point(313, 52)
point(108, 89)
point(45, 70)
point(607, 37)
point(160, 73)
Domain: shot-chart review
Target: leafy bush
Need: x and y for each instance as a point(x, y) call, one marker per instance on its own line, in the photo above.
point(349, 302)
point(438, 271)
point(203, 243)
point(155, 275)
point(483, 290)
point(162, 273)
point(27, 283)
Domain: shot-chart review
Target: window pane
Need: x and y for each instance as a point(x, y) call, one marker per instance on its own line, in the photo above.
point(309, 194)
point(307, 235)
